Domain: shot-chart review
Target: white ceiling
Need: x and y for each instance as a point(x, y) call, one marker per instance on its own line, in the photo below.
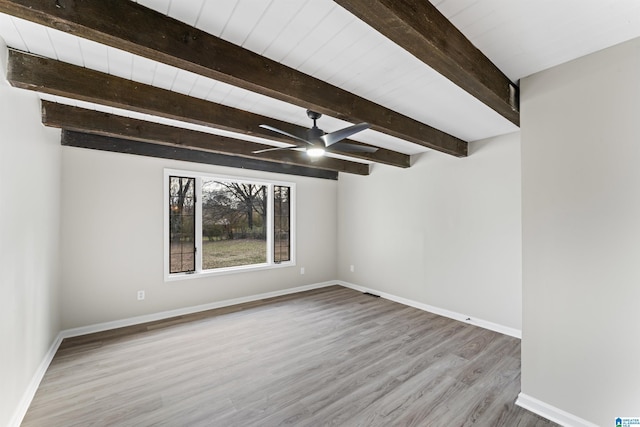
point(321, 39)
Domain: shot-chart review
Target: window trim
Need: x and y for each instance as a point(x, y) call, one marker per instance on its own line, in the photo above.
point(199, 273)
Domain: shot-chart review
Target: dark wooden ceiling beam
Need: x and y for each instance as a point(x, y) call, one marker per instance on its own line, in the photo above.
point(71, 138)
point(100, 123)
point(58, 78)
point(419, 28)
point(129, 26)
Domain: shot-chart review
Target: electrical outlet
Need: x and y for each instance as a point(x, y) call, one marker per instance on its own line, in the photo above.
point(301, 270)
point(352, 268)
point(140, 295)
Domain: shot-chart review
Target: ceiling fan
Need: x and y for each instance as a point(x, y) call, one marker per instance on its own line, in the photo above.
point(318, 142)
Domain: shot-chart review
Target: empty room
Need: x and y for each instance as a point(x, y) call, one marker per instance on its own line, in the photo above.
point(319, 212)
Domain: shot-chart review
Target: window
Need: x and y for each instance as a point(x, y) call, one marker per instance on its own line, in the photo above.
point(281, 223)
point(182, 222)
point(216, 224)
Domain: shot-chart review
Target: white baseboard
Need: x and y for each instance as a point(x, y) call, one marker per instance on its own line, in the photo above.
point(550, 412)
point(27, 397)
point(516, 333)
point(100, 327)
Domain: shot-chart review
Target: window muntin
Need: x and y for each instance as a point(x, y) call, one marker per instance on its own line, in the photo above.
point(236, 224)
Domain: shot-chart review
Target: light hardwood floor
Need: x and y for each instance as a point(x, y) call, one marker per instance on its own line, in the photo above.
point(331, 356)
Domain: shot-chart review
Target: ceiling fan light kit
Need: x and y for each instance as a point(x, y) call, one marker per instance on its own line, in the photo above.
point(317, 141)
point(315, 152)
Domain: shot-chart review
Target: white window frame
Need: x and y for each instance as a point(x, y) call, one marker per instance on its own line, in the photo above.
point(199, 272)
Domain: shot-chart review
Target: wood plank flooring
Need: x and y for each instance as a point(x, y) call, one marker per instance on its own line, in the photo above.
point(330, 356)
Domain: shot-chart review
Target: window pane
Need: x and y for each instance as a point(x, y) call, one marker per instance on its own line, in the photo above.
point(281, 224)
point(182, 224)
point(233, 224)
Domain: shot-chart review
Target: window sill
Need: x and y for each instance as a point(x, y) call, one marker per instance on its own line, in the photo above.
point(224, 271)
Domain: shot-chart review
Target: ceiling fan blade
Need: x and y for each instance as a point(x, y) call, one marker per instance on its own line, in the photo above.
point(345, 146)
point(339, 135)
point(273, 149)
point(281, 132)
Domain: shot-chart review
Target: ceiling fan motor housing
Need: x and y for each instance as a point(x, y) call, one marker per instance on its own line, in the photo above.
point(314, 134)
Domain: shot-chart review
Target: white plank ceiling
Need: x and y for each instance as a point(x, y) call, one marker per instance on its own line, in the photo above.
point(320, 38)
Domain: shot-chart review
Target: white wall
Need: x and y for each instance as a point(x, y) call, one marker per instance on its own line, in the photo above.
point(29, 241)
point(581, 235)
point(445, 232)
point(113, 239)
